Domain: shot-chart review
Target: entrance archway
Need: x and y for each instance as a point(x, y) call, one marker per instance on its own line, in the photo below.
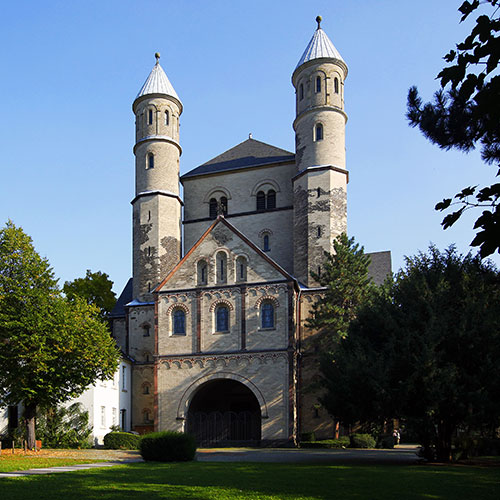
point(223, 412)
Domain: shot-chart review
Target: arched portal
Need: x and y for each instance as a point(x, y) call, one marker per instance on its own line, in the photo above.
point(222, 412)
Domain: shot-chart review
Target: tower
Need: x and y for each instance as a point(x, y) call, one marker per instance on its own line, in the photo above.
point(156, 205)
point(320, 185)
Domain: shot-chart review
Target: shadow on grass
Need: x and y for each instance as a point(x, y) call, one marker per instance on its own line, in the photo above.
point(210, 481)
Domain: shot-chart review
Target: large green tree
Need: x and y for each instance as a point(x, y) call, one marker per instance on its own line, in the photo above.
point(465, 114)
point(95, 288)
point(426, 351)
point(348, 285)
point(51, 349)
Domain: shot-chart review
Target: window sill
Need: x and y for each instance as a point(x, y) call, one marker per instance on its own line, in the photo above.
point(225, 332)
point(266, 329)
point(177, 335)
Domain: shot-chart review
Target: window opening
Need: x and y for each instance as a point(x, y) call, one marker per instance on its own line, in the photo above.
point(241, 265)
point(318, 84)
point(319, 132)
point(267, 315)
point(124, 380)
point(301, 92)
point(223, 205)
point(318, 192)
point(145, 389)
point(150, 117)
point(266, 248)
point(166, 118)
point(222, 319)
point(319, 232)
point(179, 322)
point(151, 160)
point(271, 199)
point(261, 200)
point(213, 208)
point(336, 85)
point(145, 331)
point(202, 272)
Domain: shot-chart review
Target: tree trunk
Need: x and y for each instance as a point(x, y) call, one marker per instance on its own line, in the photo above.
point(443, 445)
point(29, 417)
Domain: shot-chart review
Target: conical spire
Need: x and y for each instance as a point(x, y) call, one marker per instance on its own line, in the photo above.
point(319, 47)
point(157, 82)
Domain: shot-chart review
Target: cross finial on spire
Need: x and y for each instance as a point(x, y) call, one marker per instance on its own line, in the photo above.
point(157, 55)
point(318, 20)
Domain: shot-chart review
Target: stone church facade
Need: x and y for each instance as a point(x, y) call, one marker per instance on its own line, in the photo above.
point(214, 316)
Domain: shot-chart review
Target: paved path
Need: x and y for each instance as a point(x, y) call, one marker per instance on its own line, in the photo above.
point(399, 456)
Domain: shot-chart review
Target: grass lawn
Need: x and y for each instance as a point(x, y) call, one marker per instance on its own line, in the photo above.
point(219, 481)
point(10, 463)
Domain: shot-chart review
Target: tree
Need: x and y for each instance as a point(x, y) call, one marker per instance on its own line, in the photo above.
point(426, 351)
point(345, 276)
point(51, 349)
point(95, 288)
point(465, 114)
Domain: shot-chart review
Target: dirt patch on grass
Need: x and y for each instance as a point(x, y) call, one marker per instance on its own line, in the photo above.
point(90, 454)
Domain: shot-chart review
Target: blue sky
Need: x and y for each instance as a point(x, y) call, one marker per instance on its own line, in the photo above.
point(71, 71)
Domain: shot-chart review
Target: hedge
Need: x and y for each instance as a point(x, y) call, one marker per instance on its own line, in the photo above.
point(361, 441)
point(167, 446)
point(342, 442)
point(121, 441)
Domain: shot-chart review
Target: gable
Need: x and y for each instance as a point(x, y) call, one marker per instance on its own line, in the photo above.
point(222, 242)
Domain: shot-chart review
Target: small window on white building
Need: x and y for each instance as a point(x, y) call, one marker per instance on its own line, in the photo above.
point(103, 416)
point(124, 378)
point(115, 416)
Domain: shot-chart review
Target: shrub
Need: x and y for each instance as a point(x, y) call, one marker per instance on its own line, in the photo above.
point(307, 436)
point(167, 446)
point(361, 441)
point(385, 441)
point(121, 441)
point(342, 442)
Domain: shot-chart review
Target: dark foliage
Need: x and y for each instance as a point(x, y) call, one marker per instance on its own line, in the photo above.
point(361, 441)
point(121, 441)
point(339, 443)
point(465, 114)
point(167, 446)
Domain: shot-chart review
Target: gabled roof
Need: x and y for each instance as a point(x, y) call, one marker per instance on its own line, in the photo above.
point(319, 47)
point(249, 153)
point(157, 83)
point(221, 220)
point(125, 297)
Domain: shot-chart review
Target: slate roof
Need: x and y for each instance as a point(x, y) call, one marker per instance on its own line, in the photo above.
point(157, 83)
point(249, 153)
point(320, 46)
point(125, 297)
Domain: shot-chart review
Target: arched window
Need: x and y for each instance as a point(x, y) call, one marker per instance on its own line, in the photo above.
point(150, 117)
point(271, 199)
point(221, 267)
point(336, 85)
point(202, 272)
point(267, 315)
point(318, 84)
point(261, 200)
point(223, 203)
point(241, 269)
point(145, 389)
point(301, 92)
point(222, 319)
point(213, 208)
point(319, 132)
point(266, 246)
point(146, 416)
point(151, 160)
point(146, 330)
point(179, 321)
point(166, 118)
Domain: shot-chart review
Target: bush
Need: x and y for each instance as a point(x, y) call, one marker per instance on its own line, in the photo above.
point(473, 446)
point(121, 441)
point(385, 441)
point(342, 442)
point(307, 436)
point(361, 441)
point(167, 446)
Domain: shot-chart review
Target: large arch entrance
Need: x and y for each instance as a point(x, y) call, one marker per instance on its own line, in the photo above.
point(223, 412)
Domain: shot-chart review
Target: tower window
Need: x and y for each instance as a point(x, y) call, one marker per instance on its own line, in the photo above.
point(267, 315)
point(271, 199)
point(261, 200)
point(145, 331)
point(223, 205)
point(301, 92)
point(318, 84)
point(150, 117)
point(145, 389)
point(222, 319)
point(241, 268)
point(319, 132)
point(336, 85)
point(213, 208)
point(166, 118)
point(151, 160)
point(202, 272)
point(221, 267)
point(265, 243)
point(319, 232)
point(179, 320)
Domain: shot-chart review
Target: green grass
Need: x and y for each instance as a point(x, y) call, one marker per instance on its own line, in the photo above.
point(11, 463)
point(220, 481)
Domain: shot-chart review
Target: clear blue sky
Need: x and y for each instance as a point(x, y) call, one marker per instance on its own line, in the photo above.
point(71, 70)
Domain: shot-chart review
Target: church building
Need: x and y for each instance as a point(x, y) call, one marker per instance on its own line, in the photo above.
point(214, 315)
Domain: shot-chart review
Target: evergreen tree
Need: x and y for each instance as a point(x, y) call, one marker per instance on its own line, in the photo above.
point(465, 113)
point(51, 350)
